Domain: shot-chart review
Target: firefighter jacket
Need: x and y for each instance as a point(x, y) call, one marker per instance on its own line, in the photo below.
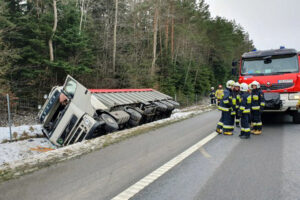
point(246, 103)
point(226, 102)
point(258, 100)
point(212, 94)
point(219, 94)
point(238, 100)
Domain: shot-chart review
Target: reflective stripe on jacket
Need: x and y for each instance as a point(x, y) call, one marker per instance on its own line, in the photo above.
point(258, 100)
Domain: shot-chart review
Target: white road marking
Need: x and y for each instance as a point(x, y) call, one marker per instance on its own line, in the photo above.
point(150, 178)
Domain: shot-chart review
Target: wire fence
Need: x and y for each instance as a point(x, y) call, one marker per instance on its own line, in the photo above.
point(18, 105)
point(22, 110)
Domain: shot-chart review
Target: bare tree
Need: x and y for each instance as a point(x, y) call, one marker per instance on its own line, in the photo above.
point(50, 42)
point(155, 25)
point(81, 14)
point(115, 36)
point(172, 32)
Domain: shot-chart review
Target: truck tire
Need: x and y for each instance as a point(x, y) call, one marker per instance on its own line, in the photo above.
point(296, 118)
point(134, 115)
point(133, 122)
point(110, 123)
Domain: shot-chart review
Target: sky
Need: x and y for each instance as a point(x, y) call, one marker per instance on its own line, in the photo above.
point(270, 23)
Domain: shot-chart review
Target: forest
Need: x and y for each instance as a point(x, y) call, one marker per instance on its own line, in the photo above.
point(174, 46)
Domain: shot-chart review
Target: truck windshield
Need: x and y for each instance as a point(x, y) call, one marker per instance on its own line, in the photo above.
point(70, 87)
point(270, 65)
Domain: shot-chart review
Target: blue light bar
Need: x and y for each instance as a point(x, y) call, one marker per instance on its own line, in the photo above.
point(282, 47)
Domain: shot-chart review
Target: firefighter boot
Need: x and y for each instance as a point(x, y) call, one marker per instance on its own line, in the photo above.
point(228, 133)
point(257, 132)
point(219, 131)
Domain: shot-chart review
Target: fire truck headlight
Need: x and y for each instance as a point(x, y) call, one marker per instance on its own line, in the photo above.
point(294, 96)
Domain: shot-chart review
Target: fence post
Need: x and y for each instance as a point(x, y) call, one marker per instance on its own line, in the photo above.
point(9, 120)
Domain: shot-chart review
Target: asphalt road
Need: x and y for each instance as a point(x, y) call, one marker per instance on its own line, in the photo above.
point(228, 168)
point(264, 167)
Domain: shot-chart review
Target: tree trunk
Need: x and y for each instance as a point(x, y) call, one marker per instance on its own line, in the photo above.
point(81, 14)
point(167, 29)
point(172, 33)
point(50, 42)
point(115, 36)
point(155, 22)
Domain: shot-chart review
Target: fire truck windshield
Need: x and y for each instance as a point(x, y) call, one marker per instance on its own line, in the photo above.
point(270, 65)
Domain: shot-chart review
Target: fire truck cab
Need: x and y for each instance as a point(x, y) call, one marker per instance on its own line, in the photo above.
point(277, 71)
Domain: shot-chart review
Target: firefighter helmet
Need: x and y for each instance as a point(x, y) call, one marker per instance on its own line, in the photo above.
point(256, 84)
point(230, 83)
point(212, 88)
point(237, 84)
point(244, 87)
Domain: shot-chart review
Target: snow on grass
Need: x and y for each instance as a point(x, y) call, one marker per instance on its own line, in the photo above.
point(20, 132)
point(20, 150)
point(15, 155)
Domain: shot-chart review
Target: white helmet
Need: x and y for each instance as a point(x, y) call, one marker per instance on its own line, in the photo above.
point(230, 83)
point(255, 83)
point(237, 84)
point(244, 87)
point(250, 86)
point(212, 88)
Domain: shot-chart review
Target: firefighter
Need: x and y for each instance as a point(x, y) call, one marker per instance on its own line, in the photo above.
point(212, 96)
point(219, 94)
point(226, 123)
point(237, 96)
point(258, 104)
point(244, 111)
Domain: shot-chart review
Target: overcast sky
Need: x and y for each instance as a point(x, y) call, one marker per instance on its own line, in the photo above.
point(270, 23)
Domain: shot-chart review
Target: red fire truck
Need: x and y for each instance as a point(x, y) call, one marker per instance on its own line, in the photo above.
point(278, 73)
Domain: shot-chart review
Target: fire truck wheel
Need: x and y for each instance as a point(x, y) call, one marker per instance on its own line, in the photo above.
point(110, 123)
point(296, 118)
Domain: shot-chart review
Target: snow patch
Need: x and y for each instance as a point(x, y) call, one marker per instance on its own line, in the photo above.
point(19, 132)
point(21, 150)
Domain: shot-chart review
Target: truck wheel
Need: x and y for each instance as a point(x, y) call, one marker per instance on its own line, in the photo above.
point(296, 118)
point(133, 122)
point(110, 123)
point(134, 115)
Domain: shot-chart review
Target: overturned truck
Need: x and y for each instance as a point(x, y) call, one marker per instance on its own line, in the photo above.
point(73, 113)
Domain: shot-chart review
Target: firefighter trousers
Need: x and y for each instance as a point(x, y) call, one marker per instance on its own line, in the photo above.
point(256, 120)
point(212, 100)
point(228, 121)
point(221, 123)
point(237, 120)
point(245, 124)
